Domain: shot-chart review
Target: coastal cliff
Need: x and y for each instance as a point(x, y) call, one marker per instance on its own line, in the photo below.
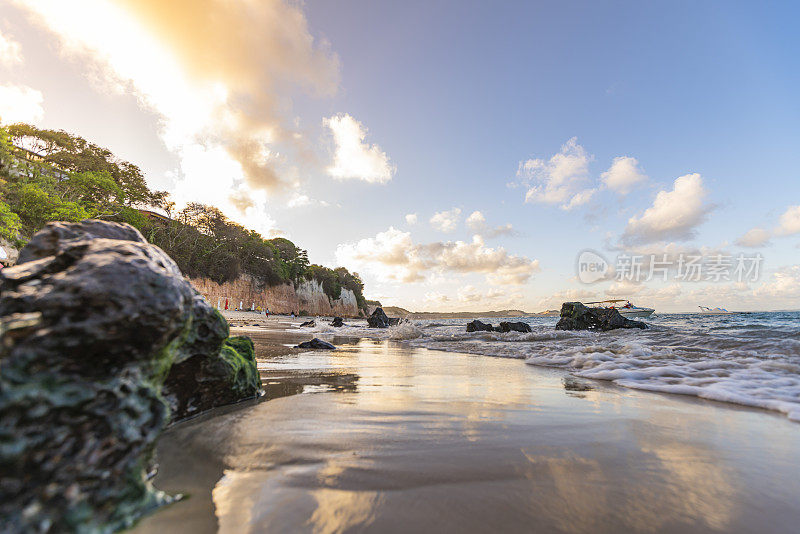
point(308, 296)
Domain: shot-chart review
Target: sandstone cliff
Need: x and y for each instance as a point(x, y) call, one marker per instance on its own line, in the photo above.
point(308, 296)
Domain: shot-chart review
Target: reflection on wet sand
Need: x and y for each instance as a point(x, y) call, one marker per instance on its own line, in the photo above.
point(279, 385)
point(340, 510)
point(381, 437)
point(580, 498)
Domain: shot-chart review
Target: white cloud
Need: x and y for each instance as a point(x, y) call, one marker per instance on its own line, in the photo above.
point(392, 255)
point(789, 224)
point(411, 218)
point(476, 221)
point(623, 288)
point(435, 298)
point(561, 179)
point(733, 296)
point(674, 214)
point(19, 103)
point(353, 158)
point(470, 293)
point(756, 237)
point(784, 283)
point(298, 200)
point(504, 229)
point(446, 221)
point(10, 51)
point(219, 101)
point(623, 175)
point(790, 221)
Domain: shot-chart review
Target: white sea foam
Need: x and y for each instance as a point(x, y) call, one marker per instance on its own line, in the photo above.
point(752, 360)
point(403, 331)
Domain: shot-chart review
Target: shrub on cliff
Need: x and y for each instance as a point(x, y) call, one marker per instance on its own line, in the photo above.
point(334, 280)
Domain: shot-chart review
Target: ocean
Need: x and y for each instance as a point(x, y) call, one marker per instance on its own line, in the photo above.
point(750, 359)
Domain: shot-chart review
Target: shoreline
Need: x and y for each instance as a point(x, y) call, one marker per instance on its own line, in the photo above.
point(355, 438)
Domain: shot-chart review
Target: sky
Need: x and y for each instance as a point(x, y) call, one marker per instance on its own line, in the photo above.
point(458, 155)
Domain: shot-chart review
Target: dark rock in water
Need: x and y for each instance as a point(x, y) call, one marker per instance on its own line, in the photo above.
point(310, 324)
point(478, 326)
point(378, 319)
point(515, 327)
point(337, 322)
point(394, 321)
point(577, 316)
point(573, 384)
point(92, 323)
point(315, 343)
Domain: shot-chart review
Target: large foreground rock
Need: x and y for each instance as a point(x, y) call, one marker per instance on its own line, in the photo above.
point(93, 322)
point(577, 316)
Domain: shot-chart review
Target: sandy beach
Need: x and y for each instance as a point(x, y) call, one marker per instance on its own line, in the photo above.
point(377, 436)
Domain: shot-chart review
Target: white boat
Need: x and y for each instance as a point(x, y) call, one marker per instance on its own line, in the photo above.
point(624, 307)
point(714, 311)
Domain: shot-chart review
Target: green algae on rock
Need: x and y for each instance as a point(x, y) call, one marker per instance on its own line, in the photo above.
point(223, 373)
point(92, 324)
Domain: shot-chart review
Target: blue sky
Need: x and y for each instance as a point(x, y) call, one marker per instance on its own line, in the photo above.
point(453, 97)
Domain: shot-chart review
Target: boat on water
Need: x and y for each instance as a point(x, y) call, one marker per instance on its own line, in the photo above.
point(624, 307)
point(714, 311)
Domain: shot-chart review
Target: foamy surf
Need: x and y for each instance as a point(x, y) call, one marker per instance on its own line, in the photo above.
point(748, 381)
point(748, 359)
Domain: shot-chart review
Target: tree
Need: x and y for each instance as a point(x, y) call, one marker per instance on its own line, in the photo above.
point(35, 206)
point(10, 224)
point(74, 154)
point(78, 180)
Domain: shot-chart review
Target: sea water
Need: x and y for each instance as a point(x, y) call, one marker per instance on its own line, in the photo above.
point(752, 359)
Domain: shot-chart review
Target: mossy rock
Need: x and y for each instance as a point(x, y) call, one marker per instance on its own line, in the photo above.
point(92, 323)
point(239, 353)
point(204, 381)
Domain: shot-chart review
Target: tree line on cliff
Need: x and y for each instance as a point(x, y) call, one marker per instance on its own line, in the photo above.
point(53, 175)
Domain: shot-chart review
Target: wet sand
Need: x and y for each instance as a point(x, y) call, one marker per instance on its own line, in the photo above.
point(379, 437)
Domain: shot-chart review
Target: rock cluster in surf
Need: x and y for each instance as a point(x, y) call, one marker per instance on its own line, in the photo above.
point(577, 316)
point(101, 336)
point(504, 327)
point(379, 319)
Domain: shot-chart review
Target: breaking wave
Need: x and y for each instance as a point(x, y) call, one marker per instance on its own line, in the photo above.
point(747, 359)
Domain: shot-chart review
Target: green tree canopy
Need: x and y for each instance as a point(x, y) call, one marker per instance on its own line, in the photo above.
point(52, 175)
